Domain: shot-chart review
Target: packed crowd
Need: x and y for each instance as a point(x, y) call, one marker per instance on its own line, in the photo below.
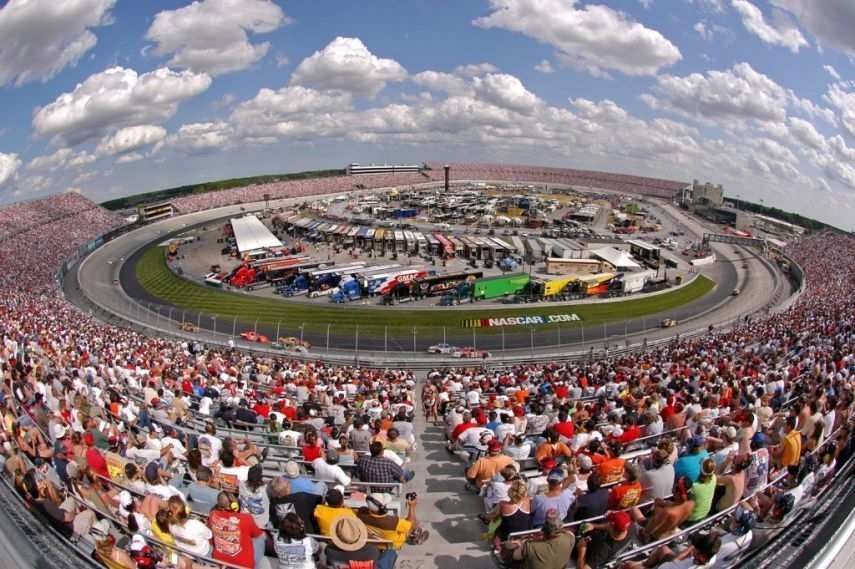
point(157, 452)
point(563, 176)
point(630, 450)
point(20, 217)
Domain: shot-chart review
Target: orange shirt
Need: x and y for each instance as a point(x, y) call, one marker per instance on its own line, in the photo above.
point(625, 495)
point(611, 470)
point(485, 468)
point(547, 450)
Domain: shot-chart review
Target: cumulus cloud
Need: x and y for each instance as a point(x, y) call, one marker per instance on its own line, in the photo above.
point(475, 69)
point(130, 138)
point(593, 37)
point(272, 113)
point(506, 91)
point(211, 36)
point(115, 98)
point(9, 164)
point(782, 32)
point(201, 138)
point(737, 93)
point(831, 21)
point(442, 82)
point(62, 158)
point(42, 37)
point(844, 101)
point(347, 65)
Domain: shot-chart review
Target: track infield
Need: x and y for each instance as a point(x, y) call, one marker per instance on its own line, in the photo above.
point(157, 279)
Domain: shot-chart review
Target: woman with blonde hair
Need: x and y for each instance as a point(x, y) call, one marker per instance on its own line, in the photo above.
point(515, 513)
point(190, 534)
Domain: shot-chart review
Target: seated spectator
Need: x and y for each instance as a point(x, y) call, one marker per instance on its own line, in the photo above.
point(254, 498)
point(349, 537)
point(558, 498)
point(332, 509)
point(234, 533)
point(485, 468)
point(200, 495)
point(293, 547)
point(515, 514)
point(594, 503)
point(733, 483)
point(667, 515)
point(701, 553)
point(516, 446)
point(689, 465)
point(284, 500)
point(552, 447)
point(496, 490)
point(300, 483)
point(657, 474)
point(377, 468)
point(703, 491)
point(551, 551)
point(190, 534)
point(376, 515)
point(602, 542)
point(329, 471)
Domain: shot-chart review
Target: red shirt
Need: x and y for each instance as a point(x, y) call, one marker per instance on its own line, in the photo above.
point(96, 462)
point(262, 409)
point(630, 434)
point(233, 533)
point(565, 429)
point(310, 453)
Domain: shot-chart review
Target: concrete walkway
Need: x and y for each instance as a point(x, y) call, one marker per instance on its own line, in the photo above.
point(445, 509)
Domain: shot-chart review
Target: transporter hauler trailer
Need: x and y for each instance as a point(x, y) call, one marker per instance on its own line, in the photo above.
point(440, 284)
point(402, 277)
point(496, 287)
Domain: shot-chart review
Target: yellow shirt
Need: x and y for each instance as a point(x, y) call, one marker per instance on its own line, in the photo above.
point(792, 449)
point(326, 515)
point(389, 528)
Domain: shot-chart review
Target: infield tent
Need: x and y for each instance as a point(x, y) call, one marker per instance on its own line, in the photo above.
point(620, 260)
point(252, 235)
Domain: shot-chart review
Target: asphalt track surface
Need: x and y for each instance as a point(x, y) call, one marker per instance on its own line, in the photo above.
point(115, 261)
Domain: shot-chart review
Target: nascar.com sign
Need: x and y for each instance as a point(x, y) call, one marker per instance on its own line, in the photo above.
point(520, 321)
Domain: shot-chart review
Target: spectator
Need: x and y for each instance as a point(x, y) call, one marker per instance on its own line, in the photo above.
point(689, 465)
point(376, 515)
point(601, 542)
point(349, 537)
point(558, 498)
point(703, 491)
point(376, 468)
point(657, 475)
point(331, 510)
point(551, 551)
point(294, 549)
point(234, 533)
point(485, 468)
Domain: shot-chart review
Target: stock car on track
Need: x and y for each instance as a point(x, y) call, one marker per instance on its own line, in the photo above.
point(251, 336)
point(471, 354)
point(668, 323)
point(442, 349)
point(292, 343)
point(188, 327)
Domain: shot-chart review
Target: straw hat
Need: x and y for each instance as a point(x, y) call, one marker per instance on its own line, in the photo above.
point(349, 533)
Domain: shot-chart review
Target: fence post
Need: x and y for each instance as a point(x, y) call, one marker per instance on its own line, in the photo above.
point(357, 344)
point(503, 339)
point(277, 331)
point(414, 340)
point(385, 339)
point(474, 339)
point(255, 328)
point(303, 325)
point(214, 318)
point(234, 326)
point(531, 334)
point(198, 320)
point(328, 338)
point(443, 335)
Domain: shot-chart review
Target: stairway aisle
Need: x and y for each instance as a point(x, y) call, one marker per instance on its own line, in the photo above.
point(444, 508)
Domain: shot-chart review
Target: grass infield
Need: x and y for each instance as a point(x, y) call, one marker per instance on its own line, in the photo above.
point(155, 276)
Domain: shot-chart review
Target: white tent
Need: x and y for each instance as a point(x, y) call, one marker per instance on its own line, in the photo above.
point(620, 260)
point(251, 234)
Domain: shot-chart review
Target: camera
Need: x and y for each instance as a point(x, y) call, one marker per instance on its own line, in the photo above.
point(410, 496)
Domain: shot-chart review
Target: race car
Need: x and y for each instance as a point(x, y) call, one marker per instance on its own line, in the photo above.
point(188, 327)
point(471, 354)
point(292, 343)
point(251, 336)
point(668, 323)
point(442, 349)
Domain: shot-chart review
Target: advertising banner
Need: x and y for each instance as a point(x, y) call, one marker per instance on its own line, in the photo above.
point(520, 321)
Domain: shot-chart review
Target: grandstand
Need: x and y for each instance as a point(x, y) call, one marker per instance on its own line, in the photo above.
point(111, 436)
point(355, 169)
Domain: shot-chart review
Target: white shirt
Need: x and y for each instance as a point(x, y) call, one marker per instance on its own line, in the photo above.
point(193, 537)
point(241, 472)
point(330, 472)
point(205, 406)
point(472, 437)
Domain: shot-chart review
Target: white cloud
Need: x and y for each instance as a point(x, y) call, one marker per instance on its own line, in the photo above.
point(442, 82)
point(844, 100)
point(130, 138)
point(805, 133)
point(832, 71)
point(506, 91)
point(593, 37)
point(277, 113)
point(130, 157)
point(210, 36)
point(703, 31)
point(831, 21)
point(782, 33)
point(716, 6)
point(114, 98)
point(545, 66)
point(84, 177)
point(62, 158)
point(735, 94)
point(347, 65)
point(200, 138)
point(9, 164)
point(475, 69)
point(812, 110)
point(39, 38)
point(646, 3)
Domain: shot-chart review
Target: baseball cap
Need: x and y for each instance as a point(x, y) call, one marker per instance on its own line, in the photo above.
point(620, 520)
point(292, 469)
point(494, 446)
point(555, 475)
point(137, 542)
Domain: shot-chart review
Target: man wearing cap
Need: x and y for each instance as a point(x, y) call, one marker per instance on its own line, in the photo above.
point(376, 515)
point(559, 495)
point(349, 537)
point(604, 541)
point(329, 471)
point(299, 483)
point(552, 551)
point(485, 468)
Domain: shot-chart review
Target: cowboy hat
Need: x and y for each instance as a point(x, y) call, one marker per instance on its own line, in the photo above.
point(348, 533)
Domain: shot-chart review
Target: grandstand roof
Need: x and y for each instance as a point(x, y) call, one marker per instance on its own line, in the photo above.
point(251, 234)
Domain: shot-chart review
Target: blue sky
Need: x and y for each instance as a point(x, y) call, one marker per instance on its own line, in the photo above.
point(113, 97)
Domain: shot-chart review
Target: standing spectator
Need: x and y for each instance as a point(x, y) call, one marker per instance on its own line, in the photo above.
point(789, 451)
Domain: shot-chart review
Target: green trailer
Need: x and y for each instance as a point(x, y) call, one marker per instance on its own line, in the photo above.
point(497, 287)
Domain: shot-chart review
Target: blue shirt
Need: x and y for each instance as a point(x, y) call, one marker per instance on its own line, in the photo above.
point(309, 487)
point(690, 465)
